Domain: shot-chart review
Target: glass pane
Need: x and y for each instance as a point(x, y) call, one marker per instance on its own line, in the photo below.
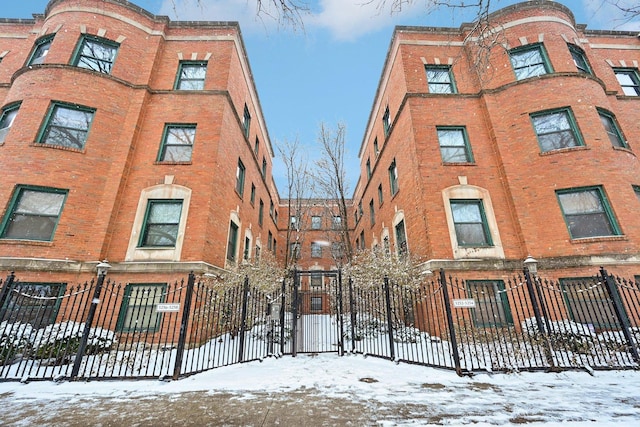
point(65, 137)
point(30, 227)
point(165, 213)
point(40, 53)
point(556, 141)
point(612, 131)
point(7, 118)
point(581, 202)
point(97, 56)
point(489, 310)
point(161, 235)
point(471, 235)
point(449, 137)
point(39, 203)
point(71, 118)
point(33, 303)
point(466, 212)
point(625, 78)
point(191, 72)
point(140, 314)
point(553, 122)
point(630, 90)
point(180, 135)
point(177, 154)
point(454, 155)
point(589, 225)
point(438, 76)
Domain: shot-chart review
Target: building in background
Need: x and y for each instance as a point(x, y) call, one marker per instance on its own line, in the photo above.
point(474, 159)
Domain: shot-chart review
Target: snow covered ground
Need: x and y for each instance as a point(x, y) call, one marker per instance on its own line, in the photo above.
point(327, 389)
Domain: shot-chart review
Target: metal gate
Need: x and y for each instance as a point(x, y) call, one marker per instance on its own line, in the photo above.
point(316, 312)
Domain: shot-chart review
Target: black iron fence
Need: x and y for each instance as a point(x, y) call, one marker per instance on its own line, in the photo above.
point(103, 329)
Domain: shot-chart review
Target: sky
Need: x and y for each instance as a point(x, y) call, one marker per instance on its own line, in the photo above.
point(386, 393)
point(328, 71)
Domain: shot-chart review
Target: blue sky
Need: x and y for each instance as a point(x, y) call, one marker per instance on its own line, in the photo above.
point(329, 71)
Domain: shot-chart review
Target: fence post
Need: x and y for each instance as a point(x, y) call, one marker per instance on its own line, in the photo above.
point(243, 322)
point(294, 315)
point(182, 339)
point(621, 314)
point(87, 326)
point(4, 293)
point(387, 296)
point(352, 310)
point(548, 352)
point(339, 314)
point(451, 325)
point(283, 301)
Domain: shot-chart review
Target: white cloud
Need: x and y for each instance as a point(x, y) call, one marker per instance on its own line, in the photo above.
point(602, 14)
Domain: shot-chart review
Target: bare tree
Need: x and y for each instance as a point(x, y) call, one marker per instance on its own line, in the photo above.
point(330, 182)
point(630, 8)
point(298, 190)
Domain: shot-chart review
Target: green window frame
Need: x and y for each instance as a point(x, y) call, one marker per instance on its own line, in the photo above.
point(372, 212)
point(636, 190)
point(240, 175)
point(386, 122)
point(161, 223)
point(628, 80)
point(138, 309)
point(587, 212)
point(491, 303)
point(36, 303)
point(440, 79)
point(588, 302)
point(612, 128)
point(232, 243)
point(33, 213)
point(40, 50)
point(530, 61)
point(66, 125)
point(470, 223)
point(376, 148)
point(556, 129)
point(393, 178)
point(177, 143)
point(264, 167)
point(380, 195)
point(256, 147)
point(401, 239)
point(261, 212)
point(368, 166)
point(191, 75)
point(95, 53)
point(454, 144)
point(579, 59)
point(246, 121)
point(252, 198)
point(7, 117)
point(247, 249)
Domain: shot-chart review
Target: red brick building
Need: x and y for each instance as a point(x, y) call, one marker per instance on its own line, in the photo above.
point(532, 152)
point(129, 137)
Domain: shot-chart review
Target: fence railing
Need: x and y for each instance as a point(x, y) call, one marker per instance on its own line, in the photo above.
point(105, 330)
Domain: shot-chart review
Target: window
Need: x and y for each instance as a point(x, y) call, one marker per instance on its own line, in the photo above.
point(232, 243)
point(316, 250)
point(629, 81)
point(315, 279)
point(380, 195)
point(492, 305)
point(191, 75)
point(440, 79)
point(588, 302)
point(270, 241)
point(256, 147)
point(67, 126)
point(261, 212)
point(33, 214)
point(393, 178)
point(240, 171)
point(386, 122)
point(470, 223)
point(253, 193)
point(40, 50)
point(372, 212)
point(246, 121)
point(636, 189)
point(401, 239)
point(362, 242)
point(587, 213)
point(264, 167)
point(368, 168)
point(138, 311)
point(386, 246)
point(271, 208)
point(316, 222)
point(177, 143)
point(337, 250)
point(529, 61)
point(337, 222)
point(247, 249)
point(294, 250)
point(34, 303)
point(316, 303)
point(556, 130)
point(95, 53)
point(580, 59)
point(375, 146)
point(613, 130)
point(360, 211)
point(454, 145)
point(161, 223)
point(7, 116)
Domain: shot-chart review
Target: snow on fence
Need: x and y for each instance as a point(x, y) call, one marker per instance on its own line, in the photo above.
point(104, 330)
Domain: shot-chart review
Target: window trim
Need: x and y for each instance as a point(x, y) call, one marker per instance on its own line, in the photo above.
point(51, 112)
point(529, 47)
point(77, 54)
point(179, 79)
point(164, 145)
point(144, 231)
point(633, 75)
point(617, 132)
point(13, 203)
point(573, 127)
point(451, 84)
point(36, 45)
point(607, 211)
point(465, 139)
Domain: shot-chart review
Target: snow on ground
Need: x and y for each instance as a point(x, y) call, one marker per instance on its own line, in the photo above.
point(434, 396)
